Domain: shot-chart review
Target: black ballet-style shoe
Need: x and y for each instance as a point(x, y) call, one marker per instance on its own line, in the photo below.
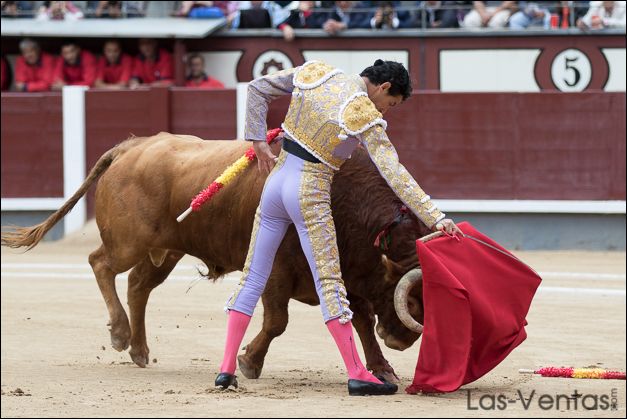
point(224, 380)
point(366, 388)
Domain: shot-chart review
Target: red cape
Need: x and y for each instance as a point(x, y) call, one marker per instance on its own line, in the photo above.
point(476, 295)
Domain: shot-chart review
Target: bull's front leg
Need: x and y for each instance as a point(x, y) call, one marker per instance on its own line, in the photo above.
point(274, 323)
point(364, 322)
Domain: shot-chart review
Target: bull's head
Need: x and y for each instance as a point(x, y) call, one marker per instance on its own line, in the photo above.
point(401, 306)
point(400, 312)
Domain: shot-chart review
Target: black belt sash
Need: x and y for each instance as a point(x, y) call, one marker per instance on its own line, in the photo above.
point(296, 149)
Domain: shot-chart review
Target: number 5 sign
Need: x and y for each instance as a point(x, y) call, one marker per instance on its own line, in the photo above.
point(571, 71)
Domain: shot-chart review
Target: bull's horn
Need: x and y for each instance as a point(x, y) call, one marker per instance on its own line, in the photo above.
point(403, 288)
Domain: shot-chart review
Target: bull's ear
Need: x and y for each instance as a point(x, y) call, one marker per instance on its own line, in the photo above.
point(394, 271)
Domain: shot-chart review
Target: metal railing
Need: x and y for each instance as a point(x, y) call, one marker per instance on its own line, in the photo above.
point(420, 8)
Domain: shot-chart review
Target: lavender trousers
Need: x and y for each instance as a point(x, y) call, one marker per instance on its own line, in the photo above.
point(299, 192)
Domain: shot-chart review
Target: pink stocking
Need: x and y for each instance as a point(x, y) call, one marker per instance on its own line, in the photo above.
point(343, 335)
point(235, 329)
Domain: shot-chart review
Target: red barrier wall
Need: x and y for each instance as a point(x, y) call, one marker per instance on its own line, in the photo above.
point(211, 115)
point(514, 146)
point(458, 145)
point(113, 116)
point(32, 145)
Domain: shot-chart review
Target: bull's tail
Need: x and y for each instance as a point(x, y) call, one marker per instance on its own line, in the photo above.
point(31, 236)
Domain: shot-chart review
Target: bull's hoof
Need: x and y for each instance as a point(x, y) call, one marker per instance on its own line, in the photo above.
point(120, 337)
point(250, 372)
point(386, 376)
point(120, 343)
point(140, 358)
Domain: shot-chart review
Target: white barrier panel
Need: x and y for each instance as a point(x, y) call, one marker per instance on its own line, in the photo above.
point(242, 93)
point(488, 70)
point(74, 153)
point(616, 60)
point(31, 204)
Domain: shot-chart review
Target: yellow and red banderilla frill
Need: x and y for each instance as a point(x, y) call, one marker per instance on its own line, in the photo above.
point(569, 372)
point(227, 176)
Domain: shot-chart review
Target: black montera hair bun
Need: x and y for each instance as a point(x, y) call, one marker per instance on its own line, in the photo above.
point(379, 62)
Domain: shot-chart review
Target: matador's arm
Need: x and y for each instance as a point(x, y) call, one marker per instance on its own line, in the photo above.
point(384, 156)
point(359, 117)
point(261, 92)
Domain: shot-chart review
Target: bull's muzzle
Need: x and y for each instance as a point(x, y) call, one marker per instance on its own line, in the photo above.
point(403, 288)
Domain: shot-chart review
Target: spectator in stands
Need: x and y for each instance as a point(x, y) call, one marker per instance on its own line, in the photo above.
point(5, 74)
point(603, 14)
point(530, 13)
point(134, 8)
point(9, 9)
point(300, 18)
point(75, 67)
point(207, 9)
point(115, 9)
point(282, 10)
point(152, 66)
point(59, 10)
point(197, 76)
point(492, 14)
point(112, 9)
point(17, 8)
point(114, 67)
point(258, 15)
point(390, 14)
point(437, 14)
point(563, 10)
point(344, 17)
point(385, 16)
point(34, 70)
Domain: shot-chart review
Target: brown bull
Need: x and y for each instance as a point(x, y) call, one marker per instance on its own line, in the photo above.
point(147, 182)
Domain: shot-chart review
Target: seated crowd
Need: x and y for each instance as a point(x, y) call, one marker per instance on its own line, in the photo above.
point(38, 71)
point(336, 16)
point(73, 10)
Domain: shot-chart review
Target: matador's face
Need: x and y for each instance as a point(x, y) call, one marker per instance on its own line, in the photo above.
point(381, 97)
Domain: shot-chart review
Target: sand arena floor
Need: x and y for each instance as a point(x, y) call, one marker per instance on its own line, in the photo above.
point(57, 359)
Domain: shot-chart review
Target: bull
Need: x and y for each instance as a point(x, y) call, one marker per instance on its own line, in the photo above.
point(145, 182)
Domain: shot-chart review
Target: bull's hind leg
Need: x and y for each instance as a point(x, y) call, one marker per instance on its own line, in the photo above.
point(145, 277)
point(275, 319)
point(364, 322)
point(105, 276)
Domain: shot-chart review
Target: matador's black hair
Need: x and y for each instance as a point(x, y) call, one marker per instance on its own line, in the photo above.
point(393, 72)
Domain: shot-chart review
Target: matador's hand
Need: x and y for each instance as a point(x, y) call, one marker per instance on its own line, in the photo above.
point(448, 226)
point(265, 158)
